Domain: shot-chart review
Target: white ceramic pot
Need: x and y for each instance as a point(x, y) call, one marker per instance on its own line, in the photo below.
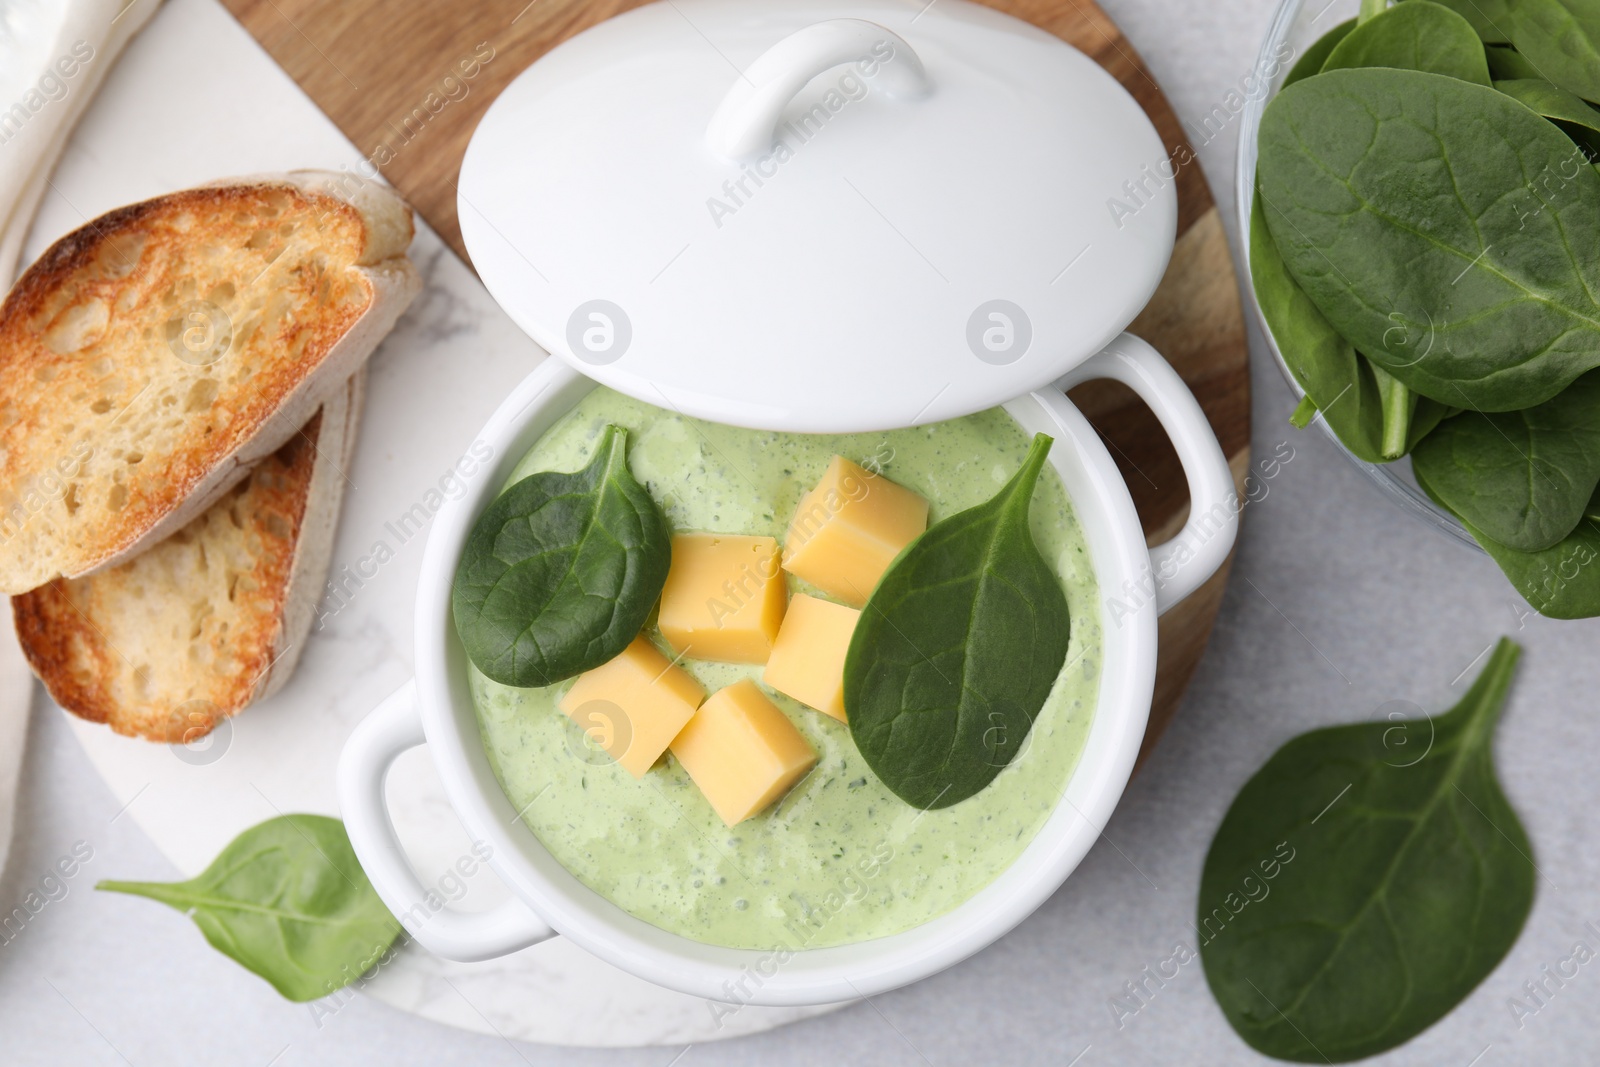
point(437, 710)
point(1075, 334)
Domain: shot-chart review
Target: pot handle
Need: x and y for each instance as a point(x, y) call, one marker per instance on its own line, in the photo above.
point(747, 119)
point(1181, 565)
point(394, 727)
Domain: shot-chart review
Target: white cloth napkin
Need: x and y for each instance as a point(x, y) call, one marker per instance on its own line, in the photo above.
point(16, 692)
point(53, 56)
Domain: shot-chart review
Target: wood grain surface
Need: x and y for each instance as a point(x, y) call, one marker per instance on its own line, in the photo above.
point(408, 80)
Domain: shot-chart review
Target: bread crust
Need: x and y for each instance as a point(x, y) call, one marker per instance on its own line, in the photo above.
point(326, 293)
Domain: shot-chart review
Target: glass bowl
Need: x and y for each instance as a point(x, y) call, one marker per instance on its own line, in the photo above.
point(1298, 24)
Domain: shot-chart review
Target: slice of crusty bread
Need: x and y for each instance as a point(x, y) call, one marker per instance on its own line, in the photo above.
point(150, 358)
point(188, 633)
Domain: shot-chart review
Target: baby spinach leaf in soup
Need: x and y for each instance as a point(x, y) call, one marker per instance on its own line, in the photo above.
point(1490, 19)
point(1559, 582)
point(1407, 218)
point(1416, 35)
point(1522, 478)
point(288, 900)
point(957, 649)
point(1339, 381)
point(561, 571)
point(1409, 879)
point(1311, 60)
point(1507, 64)
point(1561, 40)
point(1575, 117)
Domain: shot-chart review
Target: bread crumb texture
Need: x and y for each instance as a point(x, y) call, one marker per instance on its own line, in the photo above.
point(183, 636)
point(140, 353)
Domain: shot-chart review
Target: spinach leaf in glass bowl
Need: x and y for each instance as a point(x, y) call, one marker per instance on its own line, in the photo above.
point(1521, 478)
point(1420, 243)
point(1420, 35)
point(1410, 224)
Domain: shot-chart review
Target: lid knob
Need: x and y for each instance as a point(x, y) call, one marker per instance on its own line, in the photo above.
point(747, 119)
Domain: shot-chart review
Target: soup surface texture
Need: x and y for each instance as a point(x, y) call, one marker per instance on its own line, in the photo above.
point(840, 858)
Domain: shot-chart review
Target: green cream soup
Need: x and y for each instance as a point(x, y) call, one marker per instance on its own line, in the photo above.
point(839, 858)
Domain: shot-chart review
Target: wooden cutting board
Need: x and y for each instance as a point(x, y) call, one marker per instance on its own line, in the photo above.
point(408, 80)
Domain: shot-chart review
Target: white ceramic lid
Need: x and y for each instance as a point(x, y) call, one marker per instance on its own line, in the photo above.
point(818, 217)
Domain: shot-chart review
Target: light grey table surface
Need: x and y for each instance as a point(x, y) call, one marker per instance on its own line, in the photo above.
point(1338, 605)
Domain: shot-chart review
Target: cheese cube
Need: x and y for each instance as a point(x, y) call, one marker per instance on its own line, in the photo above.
point(742, 751)
point(807, 661)
point(848, 529)
point(724, 597)
point(634, 705)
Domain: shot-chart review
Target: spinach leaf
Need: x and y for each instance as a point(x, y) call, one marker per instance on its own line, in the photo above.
point(957, 649)
point(561, 571)
point(1326, 366)
point(1338, 380)
point(1490, 19)
point(1507, 64)
point(1559, 582)
point(1408, 417)
point(1406, 878)
point(1441, 227)
point(1561, 39)
point(1416, 35)
point(1426, 413)
point(1522, 478)
point(288, 900)
point(1372, 413)
point(1311, 60)
point(1576, 118)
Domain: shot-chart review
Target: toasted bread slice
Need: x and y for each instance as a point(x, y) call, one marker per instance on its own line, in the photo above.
point(150, 358)
point(188, 633)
